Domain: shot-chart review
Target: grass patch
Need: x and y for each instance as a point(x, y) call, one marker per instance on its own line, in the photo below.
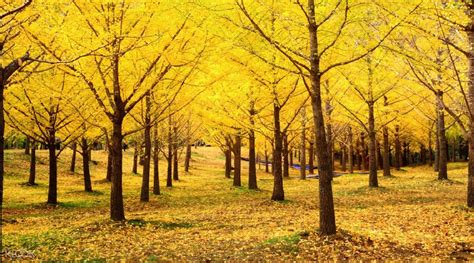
point(287, 244)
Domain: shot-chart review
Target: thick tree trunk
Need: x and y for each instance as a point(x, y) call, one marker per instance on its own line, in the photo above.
point(443, 157)
point(351, 151)
point(135, 159)
point(73, 158)
point(145, 191)
point(32, 178)
point(278, 191)
point(85, 165)
point(156, 169)
point(117, 212)
point(386, 152)
point(252, 162)
point(373, 180)
point(470, 183)
point(53, 166)
point(286, 154)
point(327, 218)
point(237, 160)
point(329, 134)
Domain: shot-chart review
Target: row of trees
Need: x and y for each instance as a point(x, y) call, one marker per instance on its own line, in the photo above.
point(343, 79)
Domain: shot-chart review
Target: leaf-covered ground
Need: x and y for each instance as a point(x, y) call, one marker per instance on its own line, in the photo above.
point(412, 216)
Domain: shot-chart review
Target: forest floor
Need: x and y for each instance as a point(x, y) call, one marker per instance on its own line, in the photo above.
point(411, 216)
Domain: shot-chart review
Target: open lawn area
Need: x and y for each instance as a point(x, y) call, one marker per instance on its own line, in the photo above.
point(202, 217)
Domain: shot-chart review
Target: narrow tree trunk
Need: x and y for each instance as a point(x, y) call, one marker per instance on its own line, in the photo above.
point(351, 151)
point(443, 158)
point(32, 178)
point(85, 165)
point(187, 158)
point(175, 155)
point(398, 149)
point(73, 158)
point(228, 158)
point(135, 159)
point(379, 156)
point(252, 163)
point(303, 149)
point(386, 152)
point(237, 160)
point(145, 191)
point(169, 177)
point(311, 157)
point(27, 145)
point(286, 162)
point(156, 152)
point(278, 193)
point(266, 160)
point(343, 157)
point(290, 153)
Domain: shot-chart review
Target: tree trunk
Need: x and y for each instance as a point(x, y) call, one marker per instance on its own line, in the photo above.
point(145, 191)
point(237, 160)
point(117, 212)
point(266, 160)
point(53, 170)
point(443, 158)
point(169, 177)
point(327, 218)
point(228, 158)
point(470, 183)
point(398, 149)
point(32, 178)
point(311, 156)
point(85, 165)
point(252, 163)
point(27, 145)
point(175, 155)
point(373, 180)
point(278, 193)
point(187, 158)
point(73, 158)
point(303, 149)
point(156, 152)
point(343, 157)
point(286, 162)
point(2, 141)
point(386, 152)
point(379, 156)
point(351, 151)
point(135, 159)
point(290, 153)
